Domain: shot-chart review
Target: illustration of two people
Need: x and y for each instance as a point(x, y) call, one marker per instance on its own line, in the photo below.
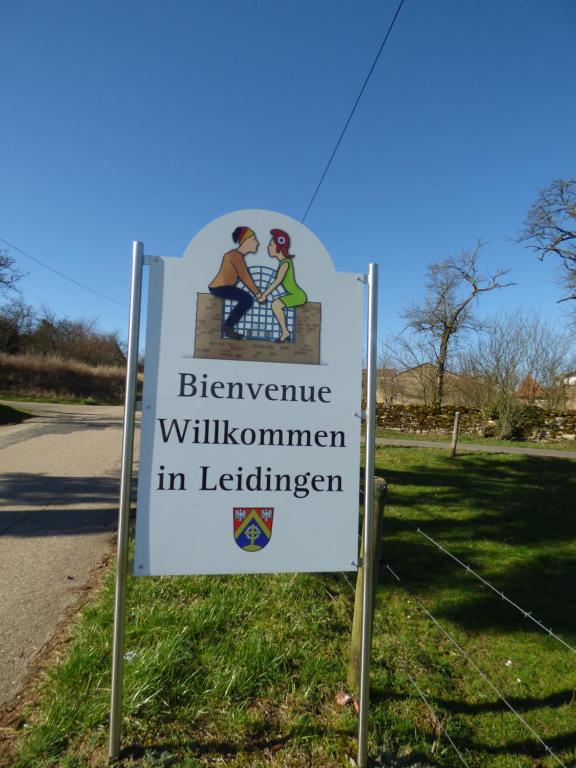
point(233, 269)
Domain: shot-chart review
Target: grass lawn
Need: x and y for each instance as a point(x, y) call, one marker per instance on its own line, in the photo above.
point(10, 415)
point(512, 519)
point(244, 671)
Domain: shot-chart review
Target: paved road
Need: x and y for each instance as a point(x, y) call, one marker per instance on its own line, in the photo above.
point(59, 489)
point(474, 447)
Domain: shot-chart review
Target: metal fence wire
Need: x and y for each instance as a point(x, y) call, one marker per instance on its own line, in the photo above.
point(418, 690)
point(466, 656)
point(472, 572)
point(477, 669)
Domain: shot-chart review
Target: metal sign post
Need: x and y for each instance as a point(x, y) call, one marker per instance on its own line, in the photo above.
point(366, 642)
point(125, 493)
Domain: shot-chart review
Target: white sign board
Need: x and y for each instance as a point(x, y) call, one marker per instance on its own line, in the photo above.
point(250, 444)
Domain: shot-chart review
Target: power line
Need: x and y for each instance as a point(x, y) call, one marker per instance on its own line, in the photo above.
point(61, 274)
point(329, 163)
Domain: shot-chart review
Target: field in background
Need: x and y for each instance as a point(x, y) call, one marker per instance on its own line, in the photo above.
point(49, 377)
point(244, 671)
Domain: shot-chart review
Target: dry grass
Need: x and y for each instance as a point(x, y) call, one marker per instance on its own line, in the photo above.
point(49, 376)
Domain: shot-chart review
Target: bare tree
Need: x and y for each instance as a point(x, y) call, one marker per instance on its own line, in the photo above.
point(386, 379)
point(548, 354)
point(17, 322)
point(491, 369)
point(447, 310)
point(415, 376)
point(515, 349)
point(550, 227)
point(9, 272)
point(73, 340)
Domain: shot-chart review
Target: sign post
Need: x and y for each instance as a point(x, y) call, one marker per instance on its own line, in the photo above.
point(125, 493)
point(367, 597)
point(250, 442)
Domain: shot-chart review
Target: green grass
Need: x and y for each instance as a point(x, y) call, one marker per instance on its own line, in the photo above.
point(511, 518)
point(232, 667)
point(243, 671)
point(10, 415)
point(560, 445)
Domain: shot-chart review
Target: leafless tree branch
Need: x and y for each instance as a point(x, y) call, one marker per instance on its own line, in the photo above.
point(446, 310)
point(550, 227)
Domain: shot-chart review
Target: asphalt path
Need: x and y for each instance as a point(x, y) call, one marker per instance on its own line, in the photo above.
point(477, 447)
point(59, 474)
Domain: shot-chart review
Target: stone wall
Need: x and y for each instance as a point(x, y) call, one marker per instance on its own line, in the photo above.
point(551, 425)
point(421, 419)
point(210, 344)
point(559, 425)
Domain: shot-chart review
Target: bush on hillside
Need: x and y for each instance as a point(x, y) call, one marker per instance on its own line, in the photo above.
point(23, 331)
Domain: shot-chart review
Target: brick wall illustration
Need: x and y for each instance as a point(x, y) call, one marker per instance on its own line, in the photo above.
point(210, 344)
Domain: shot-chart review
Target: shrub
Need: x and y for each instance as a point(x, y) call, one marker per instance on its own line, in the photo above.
point(50, 376)
point(519, 422)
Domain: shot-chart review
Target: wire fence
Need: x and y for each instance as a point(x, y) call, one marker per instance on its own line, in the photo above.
point(487, 680)
point(417, 688)
point(477, 669)
point(526, 614)
point(434, 715)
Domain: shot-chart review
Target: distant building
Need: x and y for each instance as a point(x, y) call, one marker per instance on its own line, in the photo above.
point(414, 386)
point(569, 382)
point(530, 391)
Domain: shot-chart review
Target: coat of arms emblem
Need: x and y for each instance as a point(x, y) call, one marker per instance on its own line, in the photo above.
point(252, 527)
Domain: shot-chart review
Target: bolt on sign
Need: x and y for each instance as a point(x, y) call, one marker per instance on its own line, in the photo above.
point(250, 445)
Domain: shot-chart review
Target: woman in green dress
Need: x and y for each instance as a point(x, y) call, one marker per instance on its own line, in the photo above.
point(294, 296)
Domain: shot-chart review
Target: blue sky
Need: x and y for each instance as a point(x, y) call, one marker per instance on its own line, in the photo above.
point(146, 120)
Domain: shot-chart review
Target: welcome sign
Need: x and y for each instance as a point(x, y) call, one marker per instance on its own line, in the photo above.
point(250, 448)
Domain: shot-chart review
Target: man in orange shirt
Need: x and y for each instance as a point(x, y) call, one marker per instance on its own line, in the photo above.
point(232, 269)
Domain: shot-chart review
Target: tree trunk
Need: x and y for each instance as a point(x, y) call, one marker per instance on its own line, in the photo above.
point(440, 370)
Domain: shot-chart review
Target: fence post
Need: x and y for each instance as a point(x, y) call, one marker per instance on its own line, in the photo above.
point(455, 434)
point(353, 675)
